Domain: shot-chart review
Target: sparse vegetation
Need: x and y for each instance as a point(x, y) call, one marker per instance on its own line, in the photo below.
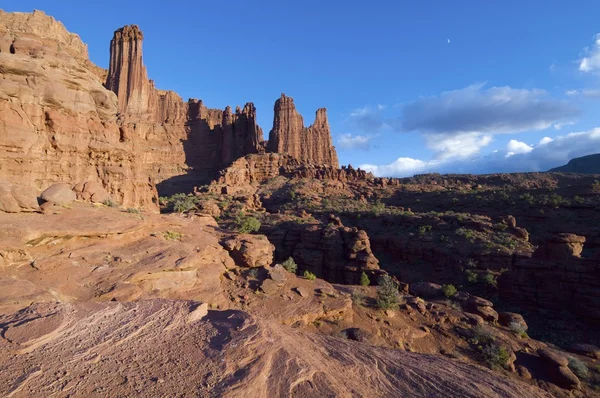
point(579, 368)
point(424, 230)
point(496, 356)
point(180, 203)
point(309, 275)
point(133, 210)
point(290, 265)
point(246, 224)
point(108, 202)
point(172, 235)
point(387, 293)
point(489, 278)
point(364, 279)
point(596, 186)
point(449, 290)
point(471, 276)
point(358, 298)
point(519, 329)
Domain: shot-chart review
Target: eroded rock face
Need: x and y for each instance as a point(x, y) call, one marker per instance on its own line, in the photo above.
point(310, 144)
point(555, 277)
point(60, 124)
point(334, 253)
point(15, 198)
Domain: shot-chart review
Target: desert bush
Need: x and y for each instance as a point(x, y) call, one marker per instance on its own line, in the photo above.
point(309, 275)
point(424, 229)
point(481, 336)
point(364, 279)
point(183, 203)
point(133, 210)
point(246, 224)
point(449, 290)
point(519, 329)
point(579, 368)
point(495, 355)
point(109, 203)
point(358, 298)
point(471, 276)
point(172, 235)
point(596, 186)
point(489, 278)
point(290, 265)
point(387, 293)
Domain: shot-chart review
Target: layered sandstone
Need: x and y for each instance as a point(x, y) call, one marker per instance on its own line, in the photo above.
point(60, 124)
point(556, 277)
point(310, 144)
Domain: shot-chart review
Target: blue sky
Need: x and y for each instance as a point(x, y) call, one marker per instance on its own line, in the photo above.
point(410, 87)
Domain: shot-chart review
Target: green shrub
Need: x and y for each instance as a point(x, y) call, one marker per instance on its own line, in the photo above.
point(290, 265)
point(133, 210)
point(519, 329)
point(489, 278)
point(358, 298)
point(364, 279)
point(579, 368)
point(108, 202)
point(424, 229)
point(495, 355)
point(471, 276)
point(246, 224)
point(387, 293)
point(579, 199)
point(481, 336)
point(253, 273)
point(449, 290)
point(309, 275)
point(172, 235)
point(180, 202)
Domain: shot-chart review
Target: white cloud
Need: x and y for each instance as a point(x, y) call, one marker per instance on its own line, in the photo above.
point(400, 167)
point(462, 145)
point(515, 147)
point(349, 141)
point(591, 62)
point(571, 93)
point(548, 153)
point(558, 126)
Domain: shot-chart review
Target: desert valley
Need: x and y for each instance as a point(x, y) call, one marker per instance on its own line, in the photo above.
point(151, 246)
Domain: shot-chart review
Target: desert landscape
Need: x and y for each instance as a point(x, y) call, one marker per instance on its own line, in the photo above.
point(151, 246)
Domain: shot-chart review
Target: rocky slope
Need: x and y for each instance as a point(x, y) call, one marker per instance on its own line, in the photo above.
point(586, 164)
point(159, 348)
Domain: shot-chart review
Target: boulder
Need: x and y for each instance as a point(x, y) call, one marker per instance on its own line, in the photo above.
point(564, 377)
point(15, 198)
point(508, 318)
point(278, 273)
point(269, 286)
point(59, 193)
point(426, 289)
point(487, 313)
point(94, 192)
point(250, 250)
point(478, 301)
point(552, 358)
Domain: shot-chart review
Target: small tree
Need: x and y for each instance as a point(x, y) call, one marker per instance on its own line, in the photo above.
point(290, 265)
point(449, 290)
point(387, 293)
point(309, 275)
point(246, 224)
point(364, 279)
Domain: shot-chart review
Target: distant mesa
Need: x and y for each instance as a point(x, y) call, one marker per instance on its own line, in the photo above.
point(584, 165)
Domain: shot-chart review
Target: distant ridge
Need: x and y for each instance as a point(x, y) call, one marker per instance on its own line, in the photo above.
point(585, 165)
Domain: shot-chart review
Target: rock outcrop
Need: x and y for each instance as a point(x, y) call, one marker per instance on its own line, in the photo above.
point(63, 119)
point(334, 252)
point(309, 144)
point(555, 277)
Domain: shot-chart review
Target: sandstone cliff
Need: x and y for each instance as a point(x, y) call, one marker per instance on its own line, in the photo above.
point(61, 123)
point(310, 144)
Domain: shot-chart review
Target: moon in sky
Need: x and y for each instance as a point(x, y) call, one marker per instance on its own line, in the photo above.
point(448, 41)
